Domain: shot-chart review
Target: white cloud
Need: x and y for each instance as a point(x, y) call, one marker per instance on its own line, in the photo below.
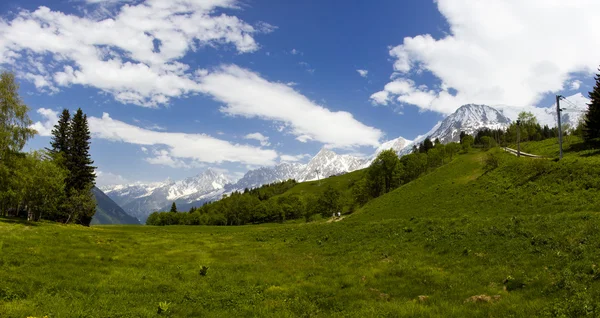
point(296, 52)
point(180, 149)
point(138, 48)
point(575, 85)
point(108, 178)
point(294, 158)
point(144, 149)
point(245, 93)
point(264, 140)
point(498, 52)
point(44, 128)
point(363, 73)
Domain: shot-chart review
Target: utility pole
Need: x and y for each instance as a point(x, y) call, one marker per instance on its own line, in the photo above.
point(518, 138)
point(558, 110)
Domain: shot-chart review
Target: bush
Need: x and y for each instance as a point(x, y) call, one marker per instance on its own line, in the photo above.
point(163, 307)
point(203, 270)
point(492, 161)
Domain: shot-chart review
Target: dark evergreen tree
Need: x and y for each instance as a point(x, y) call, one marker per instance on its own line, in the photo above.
point(61, 135)
point(174, 208)
point(427, 144)
point(79, 161)
point(462, 135)
point(591, 128)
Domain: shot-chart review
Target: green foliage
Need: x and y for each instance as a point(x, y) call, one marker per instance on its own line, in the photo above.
point(163, 307)
point(173, 208)
point(466, 142)
point(492, 161)
point(591, 128)
point(488, 142)
point(14, 121)
point(79, 161)
point(384, 173)
point(203, 270)
point(61, 135)
point(80, 206)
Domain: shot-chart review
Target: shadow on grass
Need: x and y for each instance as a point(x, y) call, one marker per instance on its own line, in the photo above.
point(14, 220)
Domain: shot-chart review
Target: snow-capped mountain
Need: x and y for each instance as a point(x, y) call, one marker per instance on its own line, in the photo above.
point(122, 194)
point(139, 200)
point(397, 145)
point(205, 182)
point(264, 175)
point(469, 118)
point(327, 163)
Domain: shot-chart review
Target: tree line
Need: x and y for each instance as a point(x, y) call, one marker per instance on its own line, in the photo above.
point(52, 184)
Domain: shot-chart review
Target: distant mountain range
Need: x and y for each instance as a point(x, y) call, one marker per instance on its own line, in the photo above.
point(108, 212)
point(139, 200)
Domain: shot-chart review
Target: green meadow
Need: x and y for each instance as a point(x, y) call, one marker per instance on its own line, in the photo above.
point(486, 235)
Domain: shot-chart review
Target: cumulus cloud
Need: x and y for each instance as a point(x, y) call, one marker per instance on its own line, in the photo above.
point(575, 85)
point(264, 140)
point(138, 49)
point(179, 149)
point(497, 52)
point(108, 178)
point(44, 128)
point(363, 73)
point(247, 94)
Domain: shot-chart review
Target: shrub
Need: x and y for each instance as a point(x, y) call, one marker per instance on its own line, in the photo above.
point(491, 162)
point(163, 307)
point(203, 270)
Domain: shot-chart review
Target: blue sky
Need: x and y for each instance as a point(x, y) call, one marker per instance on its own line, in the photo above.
point(174, 87)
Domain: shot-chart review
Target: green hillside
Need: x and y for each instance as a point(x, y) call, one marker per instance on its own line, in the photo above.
point(508, 237)
point(108, 212)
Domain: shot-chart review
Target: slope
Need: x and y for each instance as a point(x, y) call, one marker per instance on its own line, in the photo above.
point(518, 186)
point(108, 212)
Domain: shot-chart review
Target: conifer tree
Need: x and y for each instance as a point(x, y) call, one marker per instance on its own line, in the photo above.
point(591, 128)
point(61, 135)
point(174, 208)
point(78, 158)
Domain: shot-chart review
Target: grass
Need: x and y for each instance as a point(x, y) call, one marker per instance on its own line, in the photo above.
point(526, 232)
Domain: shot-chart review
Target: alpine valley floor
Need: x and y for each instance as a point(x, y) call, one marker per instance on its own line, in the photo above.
point(470, 239)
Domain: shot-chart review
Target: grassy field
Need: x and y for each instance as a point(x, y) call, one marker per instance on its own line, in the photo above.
point(520, 240)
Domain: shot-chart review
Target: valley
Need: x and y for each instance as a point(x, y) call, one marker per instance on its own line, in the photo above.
point(462, 240)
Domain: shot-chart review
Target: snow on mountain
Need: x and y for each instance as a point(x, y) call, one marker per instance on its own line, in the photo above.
point(265, 175)
point(397, 145)
point(205, 182)
point(140, 200)
point(327, 163)
point(123, 194)
point(469, 118)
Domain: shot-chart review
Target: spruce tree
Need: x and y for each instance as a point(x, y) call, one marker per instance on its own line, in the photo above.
point(79, 160)
point(81, 180)
point(174, 208)
point(591, 128)
point(61, 134)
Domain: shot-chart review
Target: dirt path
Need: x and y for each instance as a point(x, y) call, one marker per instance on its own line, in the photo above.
point(336, 219)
